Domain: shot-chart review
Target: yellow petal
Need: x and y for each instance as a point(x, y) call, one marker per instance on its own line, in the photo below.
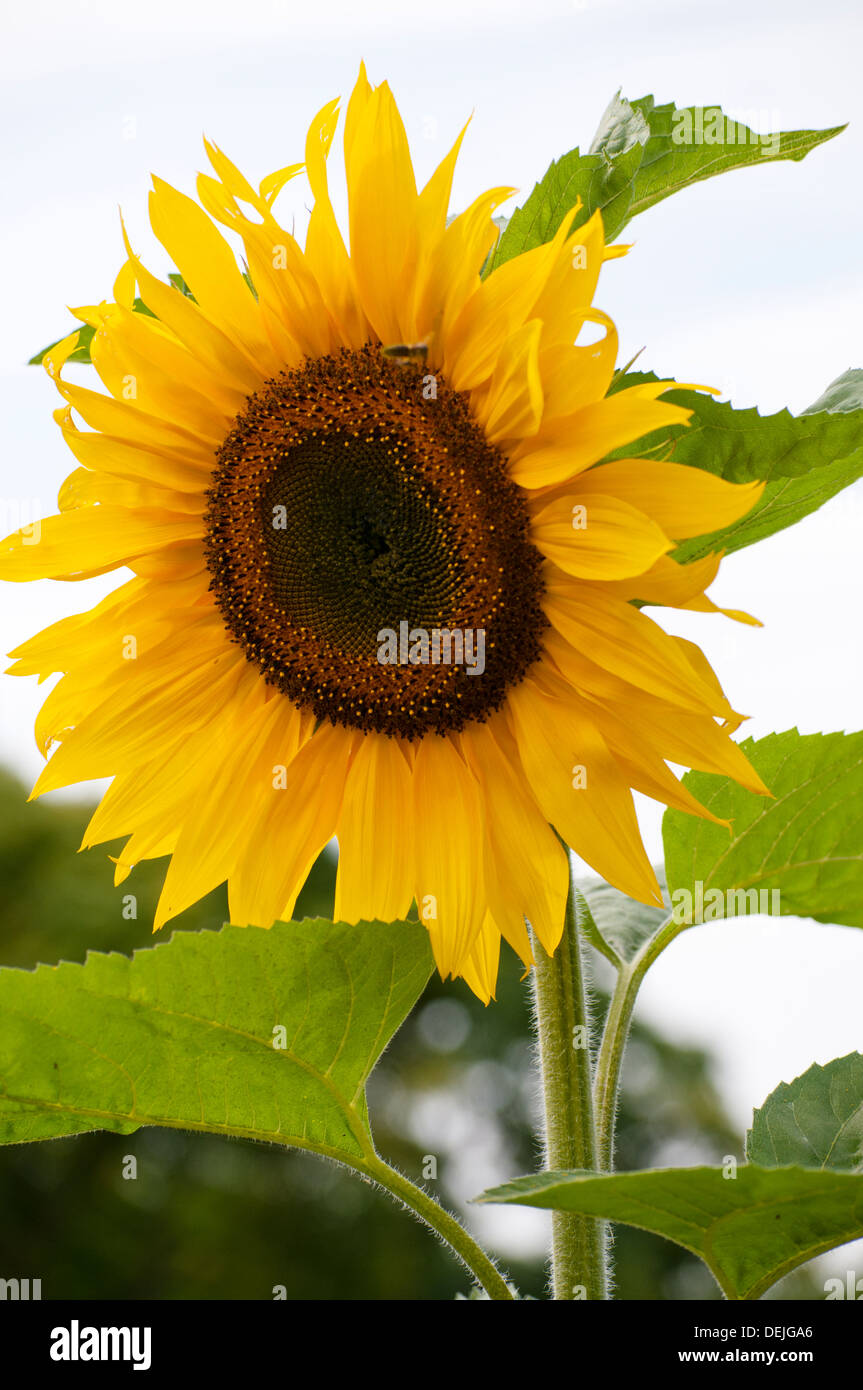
point(448, 868)
point(109, 456)
point(579, 786)
point(297, 818)
point(500, 305)
point(643, 767)
point(375, 879)
point(674, 585)
point(272, 184)
point(573, 376)
point(124, 420)
point(692, 740)
point(452, 272)
point(684, 501)
point(572, 443)
point(630, 645)
point(526, 871)
point(169, 380)
point(84, 488)
point(81, 543)
point(564, 301)
point(512, 405)
point(383, 214)
point(191, 326)
point(597, 538)
point(207, 264)
point(705, 672)
point(146, 710)
point(292, 311)
point(435, 196)
point(481, 967)
point(210, 842)
point(325, 248)
point(666, 582)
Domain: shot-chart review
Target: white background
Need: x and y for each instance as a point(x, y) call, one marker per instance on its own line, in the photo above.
point(751, 283)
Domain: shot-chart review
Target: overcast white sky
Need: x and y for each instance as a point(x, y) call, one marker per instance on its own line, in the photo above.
point(751, 282)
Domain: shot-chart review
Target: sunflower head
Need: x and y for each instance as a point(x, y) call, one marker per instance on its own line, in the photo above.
point(336, 515)
point(384, 572)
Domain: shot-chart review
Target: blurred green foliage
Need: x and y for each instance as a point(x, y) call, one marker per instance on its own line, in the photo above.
point(216, 1219)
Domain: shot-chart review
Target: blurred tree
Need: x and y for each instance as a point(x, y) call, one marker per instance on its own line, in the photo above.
point(219, 1219)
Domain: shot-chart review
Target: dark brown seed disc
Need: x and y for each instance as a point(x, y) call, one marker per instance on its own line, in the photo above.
point(356, 497)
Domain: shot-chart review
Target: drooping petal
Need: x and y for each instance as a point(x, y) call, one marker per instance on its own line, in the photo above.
point(526, 871)
point(579, 786)
point(676, 586)
point(630, 645)
point(374, 828)
point(448, 884)
point(480, 968)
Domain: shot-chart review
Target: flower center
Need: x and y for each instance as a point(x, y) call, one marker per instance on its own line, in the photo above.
point(368, 550)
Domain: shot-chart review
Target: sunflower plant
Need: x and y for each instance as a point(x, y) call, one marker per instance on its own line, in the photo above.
point(393, 512)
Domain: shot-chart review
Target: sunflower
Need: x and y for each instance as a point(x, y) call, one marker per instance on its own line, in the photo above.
point(335, 444)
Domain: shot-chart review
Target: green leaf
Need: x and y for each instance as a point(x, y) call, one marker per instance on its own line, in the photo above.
point(641, 154)
point(743, 446)
point(621, 922)
point(804, 459)
point(844, 394)
point(183, 1035)
point(783, 503)
point(603, 178)
point(798, 853)
point(681, 150)
point(749, 1229)
point(815, 1120)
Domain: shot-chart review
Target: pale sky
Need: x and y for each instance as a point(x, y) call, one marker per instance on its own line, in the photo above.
point(751, 282)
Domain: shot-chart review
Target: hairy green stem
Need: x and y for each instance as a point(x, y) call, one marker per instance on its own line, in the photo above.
point(450, 1230)
point(615, 1035)
point(579, 1257)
